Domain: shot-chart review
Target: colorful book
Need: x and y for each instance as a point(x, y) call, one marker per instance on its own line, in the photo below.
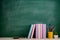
point(44, 31)
point(33, 31)
point(38, 29)
point(29, 35)
point(41, 31)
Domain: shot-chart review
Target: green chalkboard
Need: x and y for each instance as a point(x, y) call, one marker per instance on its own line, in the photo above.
point(17, 16)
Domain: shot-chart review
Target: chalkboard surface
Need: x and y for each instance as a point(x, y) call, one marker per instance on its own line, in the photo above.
point(17, 16)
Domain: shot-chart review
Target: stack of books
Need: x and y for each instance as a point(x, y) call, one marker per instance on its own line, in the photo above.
point(39, 30)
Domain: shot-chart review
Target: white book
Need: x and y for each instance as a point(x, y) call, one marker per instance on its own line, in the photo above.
point(30, 31)
point(44, 31)
point(33, 31)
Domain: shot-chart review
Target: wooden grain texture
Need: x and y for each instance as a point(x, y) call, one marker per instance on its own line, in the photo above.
point(26, 39)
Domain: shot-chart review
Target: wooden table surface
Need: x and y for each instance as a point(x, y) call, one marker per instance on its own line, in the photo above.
point(26, 39)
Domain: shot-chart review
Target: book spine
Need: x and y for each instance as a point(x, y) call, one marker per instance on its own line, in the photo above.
point(30, 31)
point(44, 31)
point(41, 31)
point(39, 28)
point(38, 31)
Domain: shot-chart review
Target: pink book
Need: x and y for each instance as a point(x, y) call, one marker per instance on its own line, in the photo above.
point(38, 31)
point(41, 31)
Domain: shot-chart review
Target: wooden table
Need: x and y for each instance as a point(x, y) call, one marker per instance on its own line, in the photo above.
point(25, 39)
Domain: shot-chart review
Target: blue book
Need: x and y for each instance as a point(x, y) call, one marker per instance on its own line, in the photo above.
point(30, 31)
